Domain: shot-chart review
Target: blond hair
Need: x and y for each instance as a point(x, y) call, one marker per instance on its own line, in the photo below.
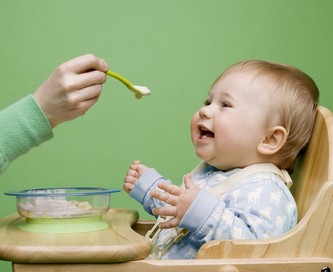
point(295, 95)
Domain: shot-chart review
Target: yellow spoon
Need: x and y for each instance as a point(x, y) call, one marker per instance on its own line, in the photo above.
point(139, 91)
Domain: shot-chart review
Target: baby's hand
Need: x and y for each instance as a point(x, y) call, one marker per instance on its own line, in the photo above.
point(179, 199)
point(135, 171)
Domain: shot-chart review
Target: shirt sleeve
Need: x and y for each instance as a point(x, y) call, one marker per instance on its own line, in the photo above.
point(147, 182)
point(255, 208)
point(23, 126)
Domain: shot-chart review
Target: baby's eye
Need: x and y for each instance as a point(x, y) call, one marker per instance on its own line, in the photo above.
point(207, 102)
point(225, 104)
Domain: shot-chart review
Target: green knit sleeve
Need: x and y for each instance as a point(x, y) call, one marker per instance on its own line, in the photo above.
point(23, 125)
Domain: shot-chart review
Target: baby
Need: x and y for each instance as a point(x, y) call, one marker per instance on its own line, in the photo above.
point(257, 113)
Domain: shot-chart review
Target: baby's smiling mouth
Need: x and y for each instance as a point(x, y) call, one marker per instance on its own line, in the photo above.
point(205, 132)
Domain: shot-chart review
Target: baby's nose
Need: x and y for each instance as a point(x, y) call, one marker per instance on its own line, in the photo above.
point(205, 112)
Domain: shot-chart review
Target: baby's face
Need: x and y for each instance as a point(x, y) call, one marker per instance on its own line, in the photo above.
point(226, 131)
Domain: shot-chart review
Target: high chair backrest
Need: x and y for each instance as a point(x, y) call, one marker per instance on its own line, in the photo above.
point(315, 166)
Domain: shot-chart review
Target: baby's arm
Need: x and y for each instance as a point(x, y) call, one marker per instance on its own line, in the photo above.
point(139, 181)
point(254, 209)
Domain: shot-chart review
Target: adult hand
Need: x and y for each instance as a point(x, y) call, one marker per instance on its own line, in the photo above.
point(72, 89)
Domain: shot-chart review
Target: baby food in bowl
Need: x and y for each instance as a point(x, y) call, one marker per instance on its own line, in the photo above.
point(60, 209)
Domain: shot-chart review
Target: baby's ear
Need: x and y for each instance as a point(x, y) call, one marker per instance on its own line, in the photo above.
point(275, 139)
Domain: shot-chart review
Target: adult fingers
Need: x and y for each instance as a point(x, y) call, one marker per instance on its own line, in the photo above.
point(85, 63)
point(85, 94)
point(90, 78)
point(84, 106)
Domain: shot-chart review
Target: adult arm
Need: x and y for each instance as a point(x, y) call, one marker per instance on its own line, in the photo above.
point(23, 126)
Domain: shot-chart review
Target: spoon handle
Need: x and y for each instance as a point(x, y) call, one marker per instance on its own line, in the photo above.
point(121, 79)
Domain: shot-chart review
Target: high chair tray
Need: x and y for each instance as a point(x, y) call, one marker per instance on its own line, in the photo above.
point(117, 243)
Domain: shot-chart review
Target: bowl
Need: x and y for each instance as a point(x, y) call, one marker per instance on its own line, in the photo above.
point(54, 208)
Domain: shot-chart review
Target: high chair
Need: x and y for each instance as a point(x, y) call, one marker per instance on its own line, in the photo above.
point(308, 247)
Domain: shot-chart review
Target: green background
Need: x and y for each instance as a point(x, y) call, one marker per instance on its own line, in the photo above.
point(176, 47)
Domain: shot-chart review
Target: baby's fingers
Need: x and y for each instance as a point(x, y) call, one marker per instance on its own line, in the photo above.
point(165, 211)
point(173, 222)
point(129, 182)
point(128, 187)
point(188, 181)
point(139, 167)
point(135, 164)
point(170, 188)
point(164, 196)
point(133, 173)
point(130, 179)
